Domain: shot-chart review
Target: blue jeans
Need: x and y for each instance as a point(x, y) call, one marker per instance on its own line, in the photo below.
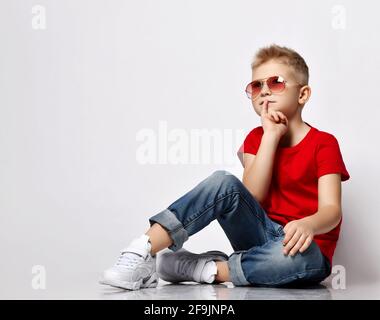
point(258, 257)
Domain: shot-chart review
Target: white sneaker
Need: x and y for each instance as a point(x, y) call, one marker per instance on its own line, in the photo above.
point(134, 269)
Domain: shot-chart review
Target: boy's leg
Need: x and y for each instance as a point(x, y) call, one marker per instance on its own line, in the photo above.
point(158, 237)
point(220, 196)
point(268, 266)
point(223, 272)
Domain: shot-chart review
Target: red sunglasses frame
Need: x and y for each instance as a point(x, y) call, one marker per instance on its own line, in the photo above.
point(269, 82)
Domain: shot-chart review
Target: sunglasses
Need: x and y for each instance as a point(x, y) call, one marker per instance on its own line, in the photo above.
point(276, 84)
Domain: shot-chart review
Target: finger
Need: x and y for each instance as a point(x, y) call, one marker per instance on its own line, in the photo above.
point(284, 120)
point(306, 244)
point(288, 235)
point(272, 117)
point(264, 110)
point(280, 113)
point(298, 245)
point(282, 116)
point(292, 242)
point(275, 116)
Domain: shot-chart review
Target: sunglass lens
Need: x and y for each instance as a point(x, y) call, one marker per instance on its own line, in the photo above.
point(276, 84)
point(253, 89)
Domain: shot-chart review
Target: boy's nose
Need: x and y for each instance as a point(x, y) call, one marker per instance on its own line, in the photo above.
point(265, 90)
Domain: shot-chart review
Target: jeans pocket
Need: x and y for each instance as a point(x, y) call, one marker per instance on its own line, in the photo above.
point(277, 228)
point(280, 231)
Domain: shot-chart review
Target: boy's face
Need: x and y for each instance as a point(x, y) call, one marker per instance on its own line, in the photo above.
point(289, 100)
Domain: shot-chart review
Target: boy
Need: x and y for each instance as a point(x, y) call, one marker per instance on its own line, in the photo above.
point(282, 220)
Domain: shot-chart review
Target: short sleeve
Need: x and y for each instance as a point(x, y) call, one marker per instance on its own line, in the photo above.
point(329, 158)
point(251, 143)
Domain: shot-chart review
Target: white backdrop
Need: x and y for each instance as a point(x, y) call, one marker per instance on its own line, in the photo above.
point(82, 81)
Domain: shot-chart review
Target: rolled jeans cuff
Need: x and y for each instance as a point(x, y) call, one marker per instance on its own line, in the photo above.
point(236, 272)
point(169, 221)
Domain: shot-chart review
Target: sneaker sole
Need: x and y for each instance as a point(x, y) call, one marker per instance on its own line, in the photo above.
point(150, 282)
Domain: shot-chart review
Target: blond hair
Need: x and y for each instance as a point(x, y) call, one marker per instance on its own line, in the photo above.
point(284, 55)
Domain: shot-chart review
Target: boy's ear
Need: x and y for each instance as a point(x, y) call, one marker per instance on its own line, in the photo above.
point(304, 94)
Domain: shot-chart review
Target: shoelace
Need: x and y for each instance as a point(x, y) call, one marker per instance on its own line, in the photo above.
point(129, 260)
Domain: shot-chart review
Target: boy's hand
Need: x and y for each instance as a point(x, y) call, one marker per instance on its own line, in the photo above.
point(274, 122)
point(299, 235)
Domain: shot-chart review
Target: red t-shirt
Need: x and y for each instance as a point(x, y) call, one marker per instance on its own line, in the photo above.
point(293, 192)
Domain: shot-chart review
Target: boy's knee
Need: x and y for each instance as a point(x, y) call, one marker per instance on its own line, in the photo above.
point(224, 175)
point(221, 172)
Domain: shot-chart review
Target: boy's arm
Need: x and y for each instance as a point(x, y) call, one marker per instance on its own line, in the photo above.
point(257, 173)
point(329, 211)
point(299, 233)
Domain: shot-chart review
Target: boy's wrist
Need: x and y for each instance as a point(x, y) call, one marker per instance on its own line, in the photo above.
point(271, 137)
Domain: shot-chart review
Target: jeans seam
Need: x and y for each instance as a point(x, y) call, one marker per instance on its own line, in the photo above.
point(212, 204)
point(294, 274)
point(201, 213)
point(262, 222)
point(174, 230)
